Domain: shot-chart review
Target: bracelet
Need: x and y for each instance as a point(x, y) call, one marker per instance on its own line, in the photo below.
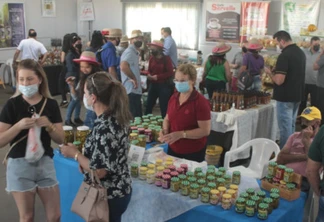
point(50, 128)
point(184, 135)
point(76, 156)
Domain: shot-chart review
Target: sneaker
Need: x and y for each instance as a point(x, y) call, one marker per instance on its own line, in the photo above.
point(64, 104)
point(78, 121)
point(69, 123)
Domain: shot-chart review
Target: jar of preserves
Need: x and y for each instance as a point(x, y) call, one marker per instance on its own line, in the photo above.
point(236, 178)
point(291, 186)
point(228, 180)
point(150, 176)
point(222, 191)
point(256, 199)
point(141, 131)
point(190, 174)
point(175, 184)
point(211, 167)
point(133, 128)
point(142, 173)
point(172, 167)
point(160, 169)
point(160, 122)
point(166, 181)
point(158, 179)
point(168, 163)
point(201, 184)
point(261, 194)
point(68, 134)
point(194, 191)
point(185, 186)
point(197, 170)
point(272, 169)
point(192, 180)
point(276, 181)
point(174, 174)
point(211, 185)
point(234, 187)
point(240, 205)
point(282, 184)
point(218, 175)
point(182, 177)
point(226, 201)
point(275, 198)
point(245, 195)
point(280, 172)
point(210, 172)
point(269, 178)
point(151, 167)
point(211, 179)
point(133, 136)
point(214, 197)
point(81, 134)
point(180, 170)
point(166, 172)
point(251, 192)
point(204, 198)
point(159, 162)
point(263, 211)
point(184, 167)
point(142, 141)
point(250, 208)
point(288, 175)
point(157, 133)
point(222, 170)
point(201, 175)
point(268, 201)
point(220, 182)
point(134, 170)
point(145, 125)
point(153, 132)
point(144, 164)
point(148, 134)
point(233, 195)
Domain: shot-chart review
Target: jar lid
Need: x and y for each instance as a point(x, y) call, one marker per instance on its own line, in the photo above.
point(166, 177)
point(220, 180)
point(230, 191)
point(198, 169)
point(250, 202)
point(214, 191)
point(135, 131)
point(244, 194)
point(151, 126)
point(134, 142)
point(146, 120)
point(159, 175)
point(236, 173)
point(282, 167)
point(67, 128)
point(144, 164)
point(175, 179)
point(83, 128)
point(205, 189)
point(201, 174)
point(168, 162)
point(140, 126)
point(194, 186)
point(169, 159)
point(133, 134)
point(151, 166)
point(179, 169)
point(210, 171)
point(185, 183)
point(226, 177)
point(222, 169)
point(240, 200)
point(274, 195)
point(190, 174)
point(269, 177)
point(141, 136)
point(218, 174)
point(234, 187)
point(227, 196)
point(184, 165)
point(261, 193)
point(160, 168)
point(255, 198)
point(201, 181)
point(272, 163)
point(222, 189)
point(149, 115)
point(145, 124)
point(274, 190)
point(143, 168)
point(211, 167)
point(158, 161)
point(267, 200)
point(148, 131)
point(77, 143)
point(291, 186)
point(166, 171)
point(250, 190)
point(150, 172)
point(211, 184)
point(210, 178)
point(289, 170)
point(134, 165)
point(192, 179)
point(172, 167)
point(174, 173)
point(154, 122)
point(160, 120)
point(263, 205)
point(137, 117)
point(182, 177)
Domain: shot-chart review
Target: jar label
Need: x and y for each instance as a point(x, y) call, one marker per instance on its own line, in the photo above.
point(226, 206)
point(239, 208)
point(249, 211)
point(262, 214)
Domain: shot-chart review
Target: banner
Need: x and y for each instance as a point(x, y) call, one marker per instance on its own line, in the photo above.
point(254, 19)
point(222, 22)
point(86, 11)
point(299, 14)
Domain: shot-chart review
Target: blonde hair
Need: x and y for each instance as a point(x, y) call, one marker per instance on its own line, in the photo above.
point(112, 94)
point(188, 69)
point(32, 65)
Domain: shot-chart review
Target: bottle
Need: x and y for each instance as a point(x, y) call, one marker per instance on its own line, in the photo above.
point(199, 58)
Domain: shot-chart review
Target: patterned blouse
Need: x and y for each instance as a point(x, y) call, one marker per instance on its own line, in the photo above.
point(106, 147)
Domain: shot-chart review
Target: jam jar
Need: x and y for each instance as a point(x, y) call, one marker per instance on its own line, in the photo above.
point(272, 169)
point(226, 201)
point(236, 178)
point(185, 188)
point(134, 170)
point(214, 197)
point(288, 175)
point(166, 181)
point(263, 211)
point(240, 205)
point(268, 201)
point(194, 191)
point(204, 198)
point(158, 179)
point(175, 184)
point(250, 208)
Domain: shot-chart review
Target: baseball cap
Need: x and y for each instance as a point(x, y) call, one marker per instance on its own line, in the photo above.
point(311, 113)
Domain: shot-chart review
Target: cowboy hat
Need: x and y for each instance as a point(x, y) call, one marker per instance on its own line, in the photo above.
point(136, 33)
point(111, 33)
point(254, 44)
point(124, 39)
point(156, 43)
point(221, 49)
point(87, 56)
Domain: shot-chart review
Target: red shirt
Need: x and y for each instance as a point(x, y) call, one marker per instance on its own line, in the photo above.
point(162, 67)
point(186, 117)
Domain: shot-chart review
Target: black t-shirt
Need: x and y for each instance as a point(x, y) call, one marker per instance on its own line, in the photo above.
point(16, 109)
point(291, 62)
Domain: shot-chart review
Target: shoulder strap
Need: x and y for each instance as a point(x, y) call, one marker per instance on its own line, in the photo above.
point(22, 138)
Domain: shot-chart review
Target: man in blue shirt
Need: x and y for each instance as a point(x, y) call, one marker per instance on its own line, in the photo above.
point(110, 60)
point(170, 47)
point(130, 73)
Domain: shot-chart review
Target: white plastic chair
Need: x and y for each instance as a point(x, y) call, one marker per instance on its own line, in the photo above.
point(262, 150)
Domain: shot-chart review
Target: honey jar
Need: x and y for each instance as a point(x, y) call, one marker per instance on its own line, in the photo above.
point(226, 201)
point(214, 197)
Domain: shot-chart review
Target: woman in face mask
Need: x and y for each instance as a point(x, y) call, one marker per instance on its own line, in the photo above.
point(160, 71)
point(32, 96)
point(187, 123)
point(88, 66)
point(72, 71)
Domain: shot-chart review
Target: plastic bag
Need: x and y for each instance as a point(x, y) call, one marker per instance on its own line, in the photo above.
point(34, 149)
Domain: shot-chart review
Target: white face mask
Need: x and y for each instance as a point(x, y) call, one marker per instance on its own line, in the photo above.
point(85, 103)
point(28, 91)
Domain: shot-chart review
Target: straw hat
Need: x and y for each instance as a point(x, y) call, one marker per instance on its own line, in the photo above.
point(156, 43)
point(111, 33)
point(221, 48)
point(136, 33)
point(124, 39)
point(254, 44)
point(87, 56)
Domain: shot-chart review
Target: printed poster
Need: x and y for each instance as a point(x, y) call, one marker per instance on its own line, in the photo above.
point(299, 14)
point(48, 8)
point(254, 21)
point(86, 11)
point(222, 22)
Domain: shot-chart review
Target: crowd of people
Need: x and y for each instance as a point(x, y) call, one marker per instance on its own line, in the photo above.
point(106, 78)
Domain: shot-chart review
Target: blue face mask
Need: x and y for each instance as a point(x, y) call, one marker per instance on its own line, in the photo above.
point(28, 91)
point(182, 87)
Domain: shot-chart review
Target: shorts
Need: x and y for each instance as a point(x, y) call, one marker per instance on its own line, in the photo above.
point(23, 176)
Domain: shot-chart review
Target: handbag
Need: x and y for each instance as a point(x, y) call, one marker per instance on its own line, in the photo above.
point(246, 79)
point(91, 202)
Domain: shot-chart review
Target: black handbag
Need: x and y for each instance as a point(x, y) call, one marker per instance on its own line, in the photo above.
point(246, 79)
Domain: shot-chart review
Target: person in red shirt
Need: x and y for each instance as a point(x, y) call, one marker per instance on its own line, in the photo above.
point(160, 73)
point(187, 123)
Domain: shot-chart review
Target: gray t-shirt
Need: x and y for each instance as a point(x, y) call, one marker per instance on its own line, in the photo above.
point(310, 73)
point(320, 77)
point(238, 60)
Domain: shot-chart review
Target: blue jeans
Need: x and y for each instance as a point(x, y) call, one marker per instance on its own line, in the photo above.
point(256, 85)
point(117, 207)
point(135, 104)
point(163, 91)
point(90, 118)
point(320, 215)
point(75, 106)
point(286, 117)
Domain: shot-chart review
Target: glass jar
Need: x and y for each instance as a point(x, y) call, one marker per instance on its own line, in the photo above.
point(204, 198)
point(185, 185)
point(233, 195)
point(81, 134)
point(272, 169)
point(288, 175)
point(159, 162)
point(68, 134)
point(220, 182)
point(228, 180)
point(148, 134)
point(236, 178)
point(226, 201)
point(251, 192)
point(150, 176)
point(269, 179)
point(201, 184)
point(160, 122)
point(158, 179)
point(166, 172)
point(168, 163)
point(291, 187)
point(211, 167)
point(192, 180)
point(142, 173)
point(250, 208)
point(182, 177)
point(151, 167)
point(211, 179)
point(263, 211)
point(211, 185)
point(222, 170)
point(210, 172)
point(133, 136)
point(218, 175)
point(172, 167)
point(142, 141)
point(133, 128)
point(190, 174)
point(134, 170)
point(275, 200)
point(174, 174)
point(201, 175)
point(256, 199)
point(160, 169)
point(152, 128)
point(145, 125)
point(214, 197)
point(222, 191)
point(280, 172)
point(197, 170)
point(194, 191)
point(180, 170)
point(261, 194)
point(141, 131)
point(276, 181)
point(157, 133)
point(268, 201)
point(240, 205)
point(175, 184)
point(184, 167)
point(166, 181)
point(245, 195)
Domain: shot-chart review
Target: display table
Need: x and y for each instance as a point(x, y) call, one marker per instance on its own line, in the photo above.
point(53, 75)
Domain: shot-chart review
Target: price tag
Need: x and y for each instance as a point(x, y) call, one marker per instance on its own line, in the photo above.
point(135, 154)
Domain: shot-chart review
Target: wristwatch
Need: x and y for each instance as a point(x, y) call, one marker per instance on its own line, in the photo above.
point(184, 134)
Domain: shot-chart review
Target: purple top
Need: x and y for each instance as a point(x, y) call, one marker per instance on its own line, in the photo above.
point(256, 63)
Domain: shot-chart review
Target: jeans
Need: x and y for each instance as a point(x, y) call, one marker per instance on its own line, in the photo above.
point(162, 91)
point(117, 207)
point(135, 104)
point(320, 215)
point(90, 118)
point(286, 117)
point(212, 86)
point(75, 106)
point(256, 85)
point(312, 90)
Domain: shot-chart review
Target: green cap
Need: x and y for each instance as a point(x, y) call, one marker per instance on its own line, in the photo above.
point(205, 189)
point(250, 190)
point(201, 174)
point(291, 186)
point(211, 178)
point(194, 186)
point(192, 179)
point(261, 193)
point(263, 205)
point(198, 169)
point(218, 174)
point(274, 195)
point(209, 171)
point(236, 173)
point(240, 200)
point(222, 169)
point(134, 165)
point(267, 200)
point(190, 174)
point(211, 185)
point(144, 164)
point(274, 190)
point(289, 170)
point(220, 180)
point(282, 167)
point(175, 179)
point(226, 177)
point(185, 183)
point(146, 120)
point(201, 181)
point(135, 131)
point(77, 143)
point(140, 126)
point(149, 115)
point(141, 136)
point(134, 142)
point(182, 177)
point(211, 167)
point(273, 163)
point(250, 203)
point(255, 198)
point(244, 195)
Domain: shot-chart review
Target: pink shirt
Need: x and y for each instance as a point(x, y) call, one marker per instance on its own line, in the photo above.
point(296, 146)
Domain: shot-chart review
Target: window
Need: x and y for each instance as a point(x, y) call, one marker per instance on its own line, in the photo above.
point(182, 18)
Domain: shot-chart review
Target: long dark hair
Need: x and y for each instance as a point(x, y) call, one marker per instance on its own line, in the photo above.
point(217, 59)
point(66, 43)
point(96, 40)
